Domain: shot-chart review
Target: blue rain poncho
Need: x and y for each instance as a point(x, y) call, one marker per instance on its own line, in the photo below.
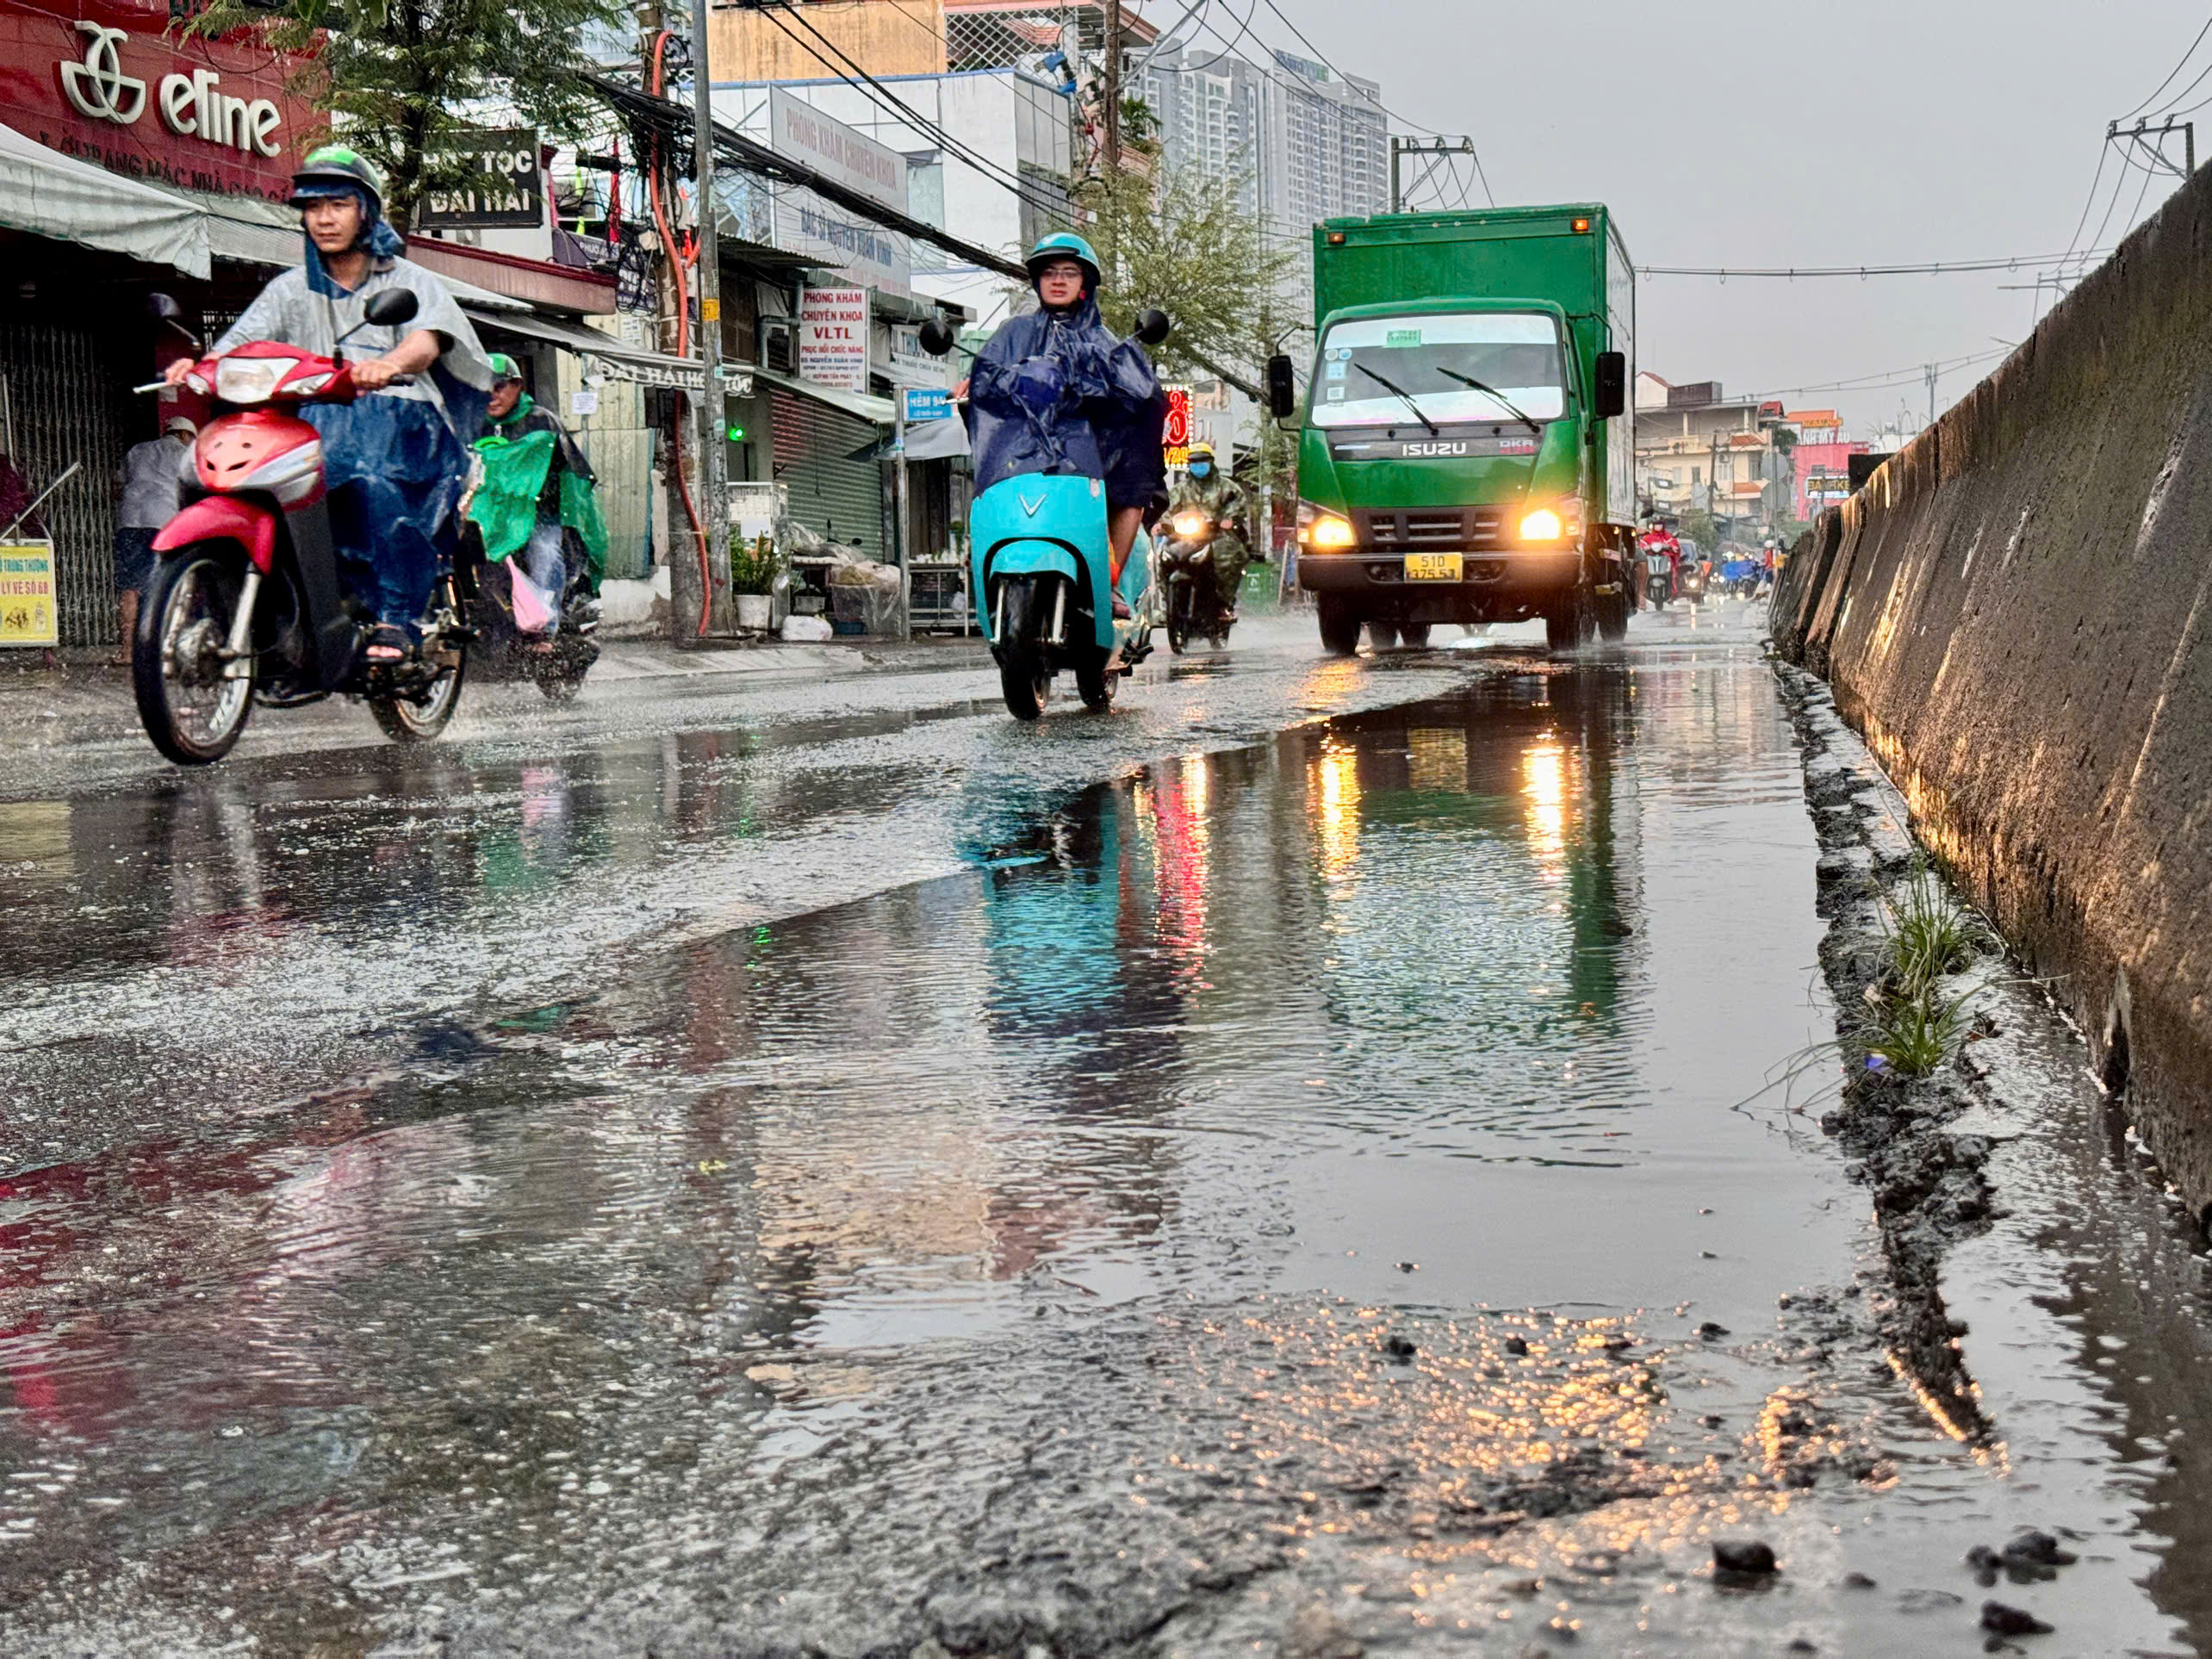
point(1056, 392)
point(395, 460)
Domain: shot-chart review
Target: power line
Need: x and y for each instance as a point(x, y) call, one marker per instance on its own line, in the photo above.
point(1941, 268)
point(1887, 377)
point(1323, 57)
point(2175, 71)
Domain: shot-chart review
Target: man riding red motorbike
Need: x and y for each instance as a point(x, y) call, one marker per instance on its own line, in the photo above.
point(395, 461)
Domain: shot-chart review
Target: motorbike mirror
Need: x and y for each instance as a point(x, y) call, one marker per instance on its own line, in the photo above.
point(1281, 387)
point(389, 308)
point(937, 337)
point(1153, 326)
point(171, 314)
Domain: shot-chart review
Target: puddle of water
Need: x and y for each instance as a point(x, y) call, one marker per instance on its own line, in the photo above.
point(1113, 1165)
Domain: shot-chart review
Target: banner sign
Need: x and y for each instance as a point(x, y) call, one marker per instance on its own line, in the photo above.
point(104, 83)
point(1177, 438)
point(500, 185)
point(804, 223)
point(28, 614)
point(833, 338)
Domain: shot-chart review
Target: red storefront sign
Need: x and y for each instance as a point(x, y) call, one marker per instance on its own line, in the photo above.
point(103, 80)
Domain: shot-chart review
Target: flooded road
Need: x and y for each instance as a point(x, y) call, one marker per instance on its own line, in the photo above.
point(1289, 1166)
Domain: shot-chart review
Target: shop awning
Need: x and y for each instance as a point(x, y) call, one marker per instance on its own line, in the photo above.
point(47, 194)
point(857, 403)
point(617, 360)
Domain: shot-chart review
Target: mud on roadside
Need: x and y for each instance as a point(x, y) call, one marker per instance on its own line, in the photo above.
point(1928, 1181)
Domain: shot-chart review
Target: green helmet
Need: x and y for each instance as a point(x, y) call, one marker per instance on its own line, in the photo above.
point(1065, 244)
point(504, 368)
point(336, 169)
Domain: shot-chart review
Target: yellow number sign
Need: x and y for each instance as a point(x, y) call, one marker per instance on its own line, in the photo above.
point(28, 614)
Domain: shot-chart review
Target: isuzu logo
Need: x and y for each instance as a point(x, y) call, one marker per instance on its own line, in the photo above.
point(192, 106)
point(98, 86)
point(1444, 448)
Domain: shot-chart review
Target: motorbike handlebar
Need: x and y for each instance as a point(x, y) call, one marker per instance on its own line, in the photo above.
point(152, 386)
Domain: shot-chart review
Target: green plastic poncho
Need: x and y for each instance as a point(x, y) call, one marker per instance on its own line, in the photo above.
point(518, 454)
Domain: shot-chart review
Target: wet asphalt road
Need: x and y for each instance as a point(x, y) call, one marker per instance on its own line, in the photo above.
point(1281, 1167)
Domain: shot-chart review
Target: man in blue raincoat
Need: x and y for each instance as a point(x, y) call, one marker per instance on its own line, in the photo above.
point(396, 460)
point(1056, 392)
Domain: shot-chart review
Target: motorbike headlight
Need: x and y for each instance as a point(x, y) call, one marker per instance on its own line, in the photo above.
point(1190, 525)
point(251, 379)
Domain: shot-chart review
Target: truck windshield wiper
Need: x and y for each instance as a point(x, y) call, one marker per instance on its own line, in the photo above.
point(1492, 393)
point(1403, 396)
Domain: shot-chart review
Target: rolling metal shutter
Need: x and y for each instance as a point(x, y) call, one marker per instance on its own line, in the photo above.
point(64, 399)
point(831, 494)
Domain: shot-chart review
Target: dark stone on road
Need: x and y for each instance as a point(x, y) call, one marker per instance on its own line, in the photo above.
point(1516, 1345)
point(1747, 1557)
point(2011, 1621)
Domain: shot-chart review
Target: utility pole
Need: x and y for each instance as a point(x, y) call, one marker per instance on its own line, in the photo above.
point(712, 411)
point(1931, 374)
point(1113, 156)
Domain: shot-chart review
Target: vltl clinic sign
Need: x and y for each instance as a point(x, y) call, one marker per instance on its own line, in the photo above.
point(111, 86)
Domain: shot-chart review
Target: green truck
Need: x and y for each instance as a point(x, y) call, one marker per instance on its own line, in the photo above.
point(1467, 453)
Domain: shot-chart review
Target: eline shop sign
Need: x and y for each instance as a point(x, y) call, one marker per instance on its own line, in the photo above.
point(192, 106)
point(102, 83)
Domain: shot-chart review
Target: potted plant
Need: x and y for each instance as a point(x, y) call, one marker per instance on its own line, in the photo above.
point(752, 569)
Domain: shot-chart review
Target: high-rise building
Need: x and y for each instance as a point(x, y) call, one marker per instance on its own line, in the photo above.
point(1306, 145)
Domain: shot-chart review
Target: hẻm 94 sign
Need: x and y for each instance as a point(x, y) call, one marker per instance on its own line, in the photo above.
point(486, 180)
point(29, 615)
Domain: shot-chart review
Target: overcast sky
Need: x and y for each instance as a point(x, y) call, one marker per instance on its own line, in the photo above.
point(1784, 133)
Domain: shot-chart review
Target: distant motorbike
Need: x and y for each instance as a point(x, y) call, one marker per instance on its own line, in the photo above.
point(245, 603)
point(1040, 563)
point(1692, 582)
point(1658, 580)
point(1741, 577)
point(1190, 596)
point(556, 662)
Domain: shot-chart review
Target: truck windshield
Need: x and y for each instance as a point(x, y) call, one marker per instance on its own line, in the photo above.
point(1432, 358)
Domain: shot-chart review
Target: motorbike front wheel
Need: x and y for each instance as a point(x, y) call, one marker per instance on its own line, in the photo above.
point(1180, 602)
point(192, 710)
point(407, 721)
point(1023, 681)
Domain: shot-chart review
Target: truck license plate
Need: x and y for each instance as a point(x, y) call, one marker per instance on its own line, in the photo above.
point(1432, 567)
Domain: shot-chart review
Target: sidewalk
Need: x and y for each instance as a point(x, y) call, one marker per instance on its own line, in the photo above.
point(50, 700)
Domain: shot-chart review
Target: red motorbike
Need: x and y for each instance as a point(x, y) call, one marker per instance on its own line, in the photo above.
point(245, 603)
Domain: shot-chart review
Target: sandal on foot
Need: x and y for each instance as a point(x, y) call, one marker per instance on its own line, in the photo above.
point(387, 645)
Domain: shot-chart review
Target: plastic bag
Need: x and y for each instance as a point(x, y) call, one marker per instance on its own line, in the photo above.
point(807, 629)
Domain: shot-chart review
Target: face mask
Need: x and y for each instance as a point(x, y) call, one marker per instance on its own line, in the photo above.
point(1201, 471)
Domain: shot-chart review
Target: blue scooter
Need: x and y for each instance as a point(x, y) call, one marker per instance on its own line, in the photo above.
point(1040, 562)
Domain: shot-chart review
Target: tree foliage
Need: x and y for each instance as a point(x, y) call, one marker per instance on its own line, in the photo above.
point(1187, 244)
point(393, 77)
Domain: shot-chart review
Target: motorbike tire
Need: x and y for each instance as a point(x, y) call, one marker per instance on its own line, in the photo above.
point(1382, 635)
point(1339, 625)
point(188, 606)
point(1613, 617)
point(1180, 600)
point(1413, 635)
point(1096, 683)
point(560, 689)
point(404, 721)
point(1022, 679)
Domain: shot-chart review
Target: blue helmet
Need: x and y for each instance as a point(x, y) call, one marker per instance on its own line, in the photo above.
point(1065, 244)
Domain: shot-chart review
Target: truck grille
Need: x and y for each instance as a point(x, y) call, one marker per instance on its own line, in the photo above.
point(1433, 529)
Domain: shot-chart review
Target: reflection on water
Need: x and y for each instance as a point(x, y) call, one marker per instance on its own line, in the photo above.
point(1208, 1081)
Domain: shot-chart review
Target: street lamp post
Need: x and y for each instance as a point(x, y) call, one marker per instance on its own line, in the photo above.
point(713, 483)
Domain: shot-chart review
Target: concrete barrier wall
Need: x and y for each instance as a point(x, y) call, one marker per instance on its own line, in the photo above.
point(2017, 612)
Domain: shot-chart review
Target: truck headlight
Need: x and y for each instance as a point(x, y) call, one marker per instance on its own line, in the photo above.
point(1324, 532)
point(1541, 526)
